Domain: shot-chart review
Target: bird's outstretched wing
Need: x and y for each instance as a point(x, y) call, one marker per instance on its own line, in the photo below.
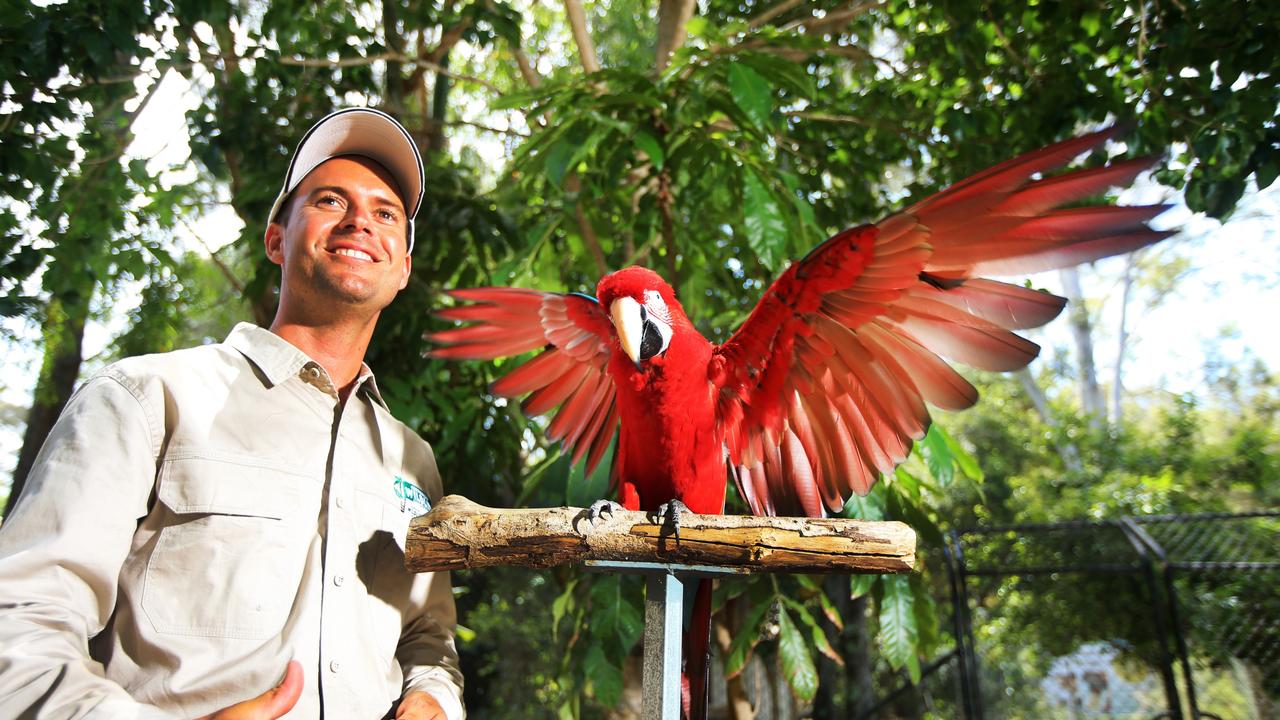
point(825, 385)
point(570, 372)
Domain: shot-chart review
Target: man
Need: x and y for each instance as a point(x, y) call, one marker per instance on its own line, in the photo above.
point(203, 523)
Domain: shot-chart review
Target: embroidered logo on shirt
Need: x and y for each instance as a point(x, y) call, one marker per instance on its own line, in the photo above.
point(412, 499)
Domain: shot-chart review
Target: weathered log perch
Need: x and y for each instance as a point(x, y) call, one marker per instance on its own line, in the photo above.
point(459, 534)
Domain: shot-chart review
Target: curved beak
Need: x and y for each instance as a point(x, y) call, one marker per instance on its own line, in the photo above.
point(626, 320)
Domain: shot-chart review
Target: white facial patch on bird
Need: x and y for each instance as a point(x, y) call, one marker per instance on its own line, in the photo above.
point(656, 306)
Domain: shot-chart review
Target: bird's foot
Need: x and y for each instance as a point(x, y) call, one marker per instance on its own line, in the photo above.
point(598, 510)
point(669, 514)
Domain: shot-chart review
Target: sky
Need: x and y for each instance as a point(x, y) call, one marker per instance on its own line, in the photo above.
point(1226, 306)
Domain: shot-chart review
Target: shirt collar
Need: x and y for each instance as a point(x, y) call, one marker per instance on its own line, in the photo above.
point(279, 360)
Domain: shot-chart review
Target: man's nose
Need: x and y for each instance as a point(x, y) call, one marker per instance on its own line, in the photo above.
point(358, 218)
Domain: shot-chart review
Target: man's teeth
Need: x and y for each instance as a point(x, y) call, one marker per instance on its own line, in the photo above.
point(352, 252)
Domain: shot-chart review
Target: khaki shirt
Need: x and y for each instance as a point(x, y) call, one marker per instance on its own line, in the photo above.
point(198, 518)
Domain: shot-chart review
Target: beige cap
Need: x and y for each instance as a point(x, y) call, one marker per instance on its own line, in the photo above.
point(359, 131)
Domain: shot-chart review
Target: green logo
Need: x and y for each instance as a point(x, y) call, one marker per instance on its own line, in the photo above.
point(412, 499)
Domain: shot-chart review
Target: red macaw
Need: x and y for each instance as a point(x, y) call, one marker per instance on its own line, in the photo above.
point(825, 385)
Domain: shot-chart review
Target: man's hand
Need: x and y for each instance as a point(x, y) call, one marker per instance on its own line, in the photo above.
point(418, 705)
point(271, 704)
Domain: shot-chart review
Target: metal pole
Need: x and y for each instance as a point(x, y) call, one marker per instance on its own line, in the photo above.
point(1171, 598)
point(1134, 535)
point(957, 620)
point(663, 626)
point(663, 618)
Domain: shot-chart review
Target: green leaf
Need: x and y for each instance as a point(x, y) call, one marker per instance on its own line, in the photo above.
point(613, 617)
point(938, 456)
point(967, 463)
point(1266, 174)
point(820, 642)
point(866, 507)
point(561, 604)
point(797, 663)
point(557, 160)
point(762, 219)
point(746, 639)
point(898, 635)
point(752, 93)
point(860, 585)
point(649, 146)
point(606, 678)
point(829, 609)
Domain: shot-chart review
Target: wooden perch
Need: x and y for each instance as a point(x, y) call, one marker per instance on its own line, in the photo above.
point(459, 534)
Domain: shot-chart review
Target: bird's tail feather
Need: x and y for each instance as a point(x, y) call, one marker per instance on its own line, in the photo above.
point(697, 664)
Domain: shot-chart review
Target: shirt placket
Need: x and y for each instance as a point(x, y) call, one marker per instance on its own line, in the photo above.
point(337, 601)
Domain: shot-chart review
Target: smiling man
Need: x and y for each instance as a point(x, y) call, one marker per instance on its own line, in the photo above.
point(219, 532)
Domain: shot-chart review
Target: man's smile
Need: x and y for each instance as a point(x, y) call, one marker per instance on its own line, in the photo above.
point(352, 251)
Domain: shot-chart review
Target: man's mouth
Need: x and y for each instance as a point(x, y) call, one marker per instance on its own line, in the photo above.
point(354, 253)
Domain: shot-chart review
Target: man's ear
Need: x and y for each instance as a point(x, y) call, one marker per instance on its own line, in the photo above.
point(273, 240)
point(408, 268)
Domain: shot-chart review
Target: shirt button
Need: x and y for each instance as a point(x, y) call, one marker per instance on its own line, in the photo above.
point(338, 580)
point(340, 502)
point(335, 666)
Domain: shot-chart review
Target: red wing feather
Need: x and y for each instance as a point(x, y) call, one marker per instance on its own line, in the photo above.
point(823, 388)
point(570, 371)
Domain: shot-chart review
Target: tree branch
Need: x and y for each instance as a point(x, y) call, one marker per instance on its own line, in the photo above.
point(589, 238)
point(772, 13)
point(578, 24)
point(665, 201)
point(385, 57)
point(818, 24)
point(527, 70)
point(673, 17)
point(486, 128)
point(1067, 451)
point(458, 533)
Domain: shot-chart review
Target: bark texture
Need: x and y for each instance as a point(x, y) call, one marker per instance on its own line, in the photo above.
point(460, 534)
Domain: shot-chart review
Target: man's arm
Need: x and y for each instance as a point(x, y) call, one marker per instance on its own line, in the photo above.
point(426, 651)
point(61, 551)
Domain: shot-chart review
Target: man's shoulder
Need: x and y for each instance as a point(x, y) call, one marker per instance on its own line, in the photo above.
point(172, 364)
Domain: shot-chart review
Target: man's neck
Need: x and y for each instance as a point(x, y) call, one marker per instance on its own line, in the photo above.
point(338, 347)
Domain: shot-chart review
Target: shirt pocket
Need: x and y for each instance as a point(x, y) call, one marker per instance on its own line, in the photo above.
point(229, 560)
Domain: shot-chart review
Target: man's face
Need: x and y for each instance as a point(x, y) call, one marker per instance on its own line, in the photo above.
point(344, 237)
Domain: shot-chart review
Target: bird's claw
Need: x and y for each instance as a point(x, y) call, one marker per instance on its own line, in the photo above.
point(669, 514)
point(596, 511)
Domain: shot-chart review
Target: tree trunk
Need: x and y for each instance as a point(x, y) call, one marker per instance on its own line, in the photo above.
point(737, 703)
point(1117, 384)
point(845, 692)
point(1082, 330)
point(1067, 451)
point(673, 16)
point(63, 353)
point(439, 109)
point(857, 660)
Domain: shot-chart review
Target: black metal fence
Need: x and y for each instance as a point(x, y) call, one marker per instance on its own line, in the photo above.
point(1163, 616)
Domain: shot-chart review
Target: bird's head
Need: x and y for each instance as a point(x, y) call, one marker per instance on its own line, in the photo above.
point(644, 311)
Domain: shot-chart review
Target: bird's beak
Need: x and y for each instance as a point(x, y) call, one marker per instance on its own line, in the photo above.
point(630, 327)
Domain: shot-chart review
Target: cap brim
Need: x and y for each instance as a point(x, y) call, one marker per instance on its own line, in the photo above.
point(359, 131)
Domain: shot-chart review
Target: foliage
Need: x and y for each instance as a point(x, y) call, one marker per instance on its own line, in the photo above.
point(770, 126)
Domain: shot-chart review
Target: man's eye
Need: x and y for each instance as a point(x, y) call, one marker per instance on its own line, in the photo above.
point(387, 215)
point(331, 200)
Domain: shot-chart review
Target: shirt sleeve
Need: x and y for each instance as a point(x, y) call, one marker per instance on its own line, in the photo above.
point(61, 551)
point(426, 652)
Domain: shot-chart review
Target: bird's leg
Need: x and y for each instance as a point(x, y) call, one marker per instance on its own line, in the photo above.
point(598, 509)
point(669, 513)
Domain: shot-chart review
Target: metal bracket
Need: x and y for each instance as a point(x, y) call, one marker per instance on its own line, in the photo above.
point(663, 627)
